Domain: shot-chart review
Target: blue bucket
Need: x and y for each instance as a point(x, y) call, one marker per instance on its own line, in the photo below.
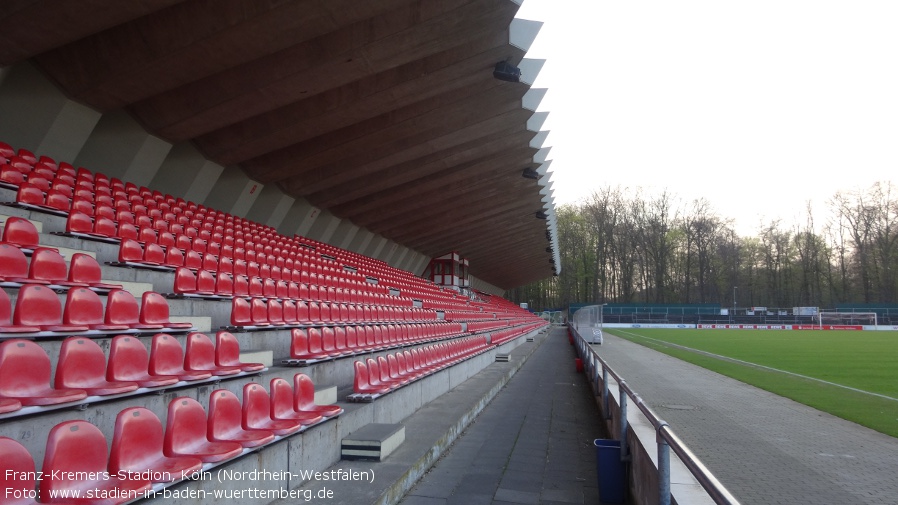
point(611, 471)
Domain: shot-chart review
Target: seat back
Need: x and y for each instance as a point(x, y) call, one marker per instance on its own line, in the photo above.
point(20, 232)
point(256, 405)
point(84, 268)
point(136, 440)
point(24, 368)
point(281, 394)
point(121, 308)
point(227, 349)
point(82, 307)
point(47, 265)
point(37, 306)
point(225, 414)
point(13, 263)
point(241, 313)
point(259, 310)
point(184, 426)
point(200, 353)
point(303, 392)
point(81, 363)
point(73, 446)
point(16, 471)
point(153, 309)
point(128, 359)
point(166, 355)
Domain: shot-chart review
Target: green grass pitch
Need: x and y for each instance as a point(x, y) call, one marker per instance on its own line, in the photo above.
point(862, 360)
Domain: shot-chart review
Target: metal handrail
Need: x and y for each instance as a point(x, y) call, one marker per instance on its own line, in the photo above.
point(666, 438)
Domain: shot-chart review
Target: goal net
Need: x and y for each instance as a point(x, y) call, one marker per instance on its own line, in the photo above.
point(846, 320)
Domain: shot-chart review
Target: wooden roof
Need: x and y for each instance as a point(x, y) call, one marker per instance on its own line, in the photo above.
point(385, 113)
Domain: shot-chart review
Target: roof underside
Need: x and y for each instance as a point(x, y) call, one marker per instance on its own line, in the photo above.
point(384, 113)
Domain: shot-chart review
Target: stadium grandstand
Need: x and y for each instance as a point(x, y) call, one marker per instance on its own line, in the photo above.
point(237, 232)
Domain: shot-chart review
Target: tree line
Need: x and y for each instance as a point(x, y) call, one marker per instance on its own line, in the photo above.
point(621, 246)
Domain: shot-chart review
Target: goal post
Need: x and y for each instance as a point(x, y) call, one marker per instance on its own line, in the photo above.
point(832, 320)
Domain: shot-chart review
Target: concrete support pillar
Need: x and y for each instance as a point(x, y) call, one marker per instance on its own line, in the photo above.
point(299, 218)
point(271, 207)
point(324, 227)
point(400, 257)
point(375, 246)
point(119, 147)
point(39, 117)
point(486, 287)
point(346, 231)
point(416, 263)
point(186, 173)
point(234, 192)
point(361, 241)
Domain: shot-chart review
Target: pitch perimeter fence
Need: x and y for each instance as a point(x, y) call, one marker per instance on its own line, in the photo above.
point(586, 322)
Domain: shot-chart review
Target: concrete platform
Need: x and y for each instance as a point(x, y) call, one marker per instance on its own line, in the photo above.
point(516, 430)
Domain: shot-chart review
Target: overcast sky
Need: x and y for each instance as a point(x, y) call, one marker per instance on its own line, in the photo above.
point(757, 106)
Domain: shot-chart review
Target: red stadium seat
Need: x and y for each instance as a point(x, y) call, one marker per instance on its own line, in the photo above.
point(224, 284)
point(257, 412)
point(185, 281)
point(304, 398)
point(227, 353)
point(6, 324)
point(154, 313)
point(17, 475)
point(21, 233)
point(129, 361)
point(241, 313)
point(13, 264)
point(82, 365)
point(130, 251)
point(200, 356)
point(259, 311)
point(186, 434)
point(25, 375)
point(225, 422)
point(122, 308)
point(77, 450)
point(167, 358)
point(137, 448)
point(84, 269)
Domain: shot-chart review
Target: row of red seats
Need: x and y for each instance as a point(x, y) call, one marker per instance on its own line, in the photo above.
point(318, 344)
point(39, 311)
point(99, 186)
point(82, 369)
point(134, 252)
point(490, 325)
point(47, 266)
point(376, 377)
point(258, 313)
point(204, 283)
point(144, 456)
point(508, 334)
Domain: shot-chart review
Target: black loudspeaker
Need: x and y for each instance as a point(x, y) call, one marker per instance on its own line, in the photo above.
point(505, 71)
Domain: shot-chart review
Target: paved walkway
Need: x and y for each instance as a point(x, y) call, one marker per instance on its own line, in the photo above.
point(766, 449)
point(532, 444)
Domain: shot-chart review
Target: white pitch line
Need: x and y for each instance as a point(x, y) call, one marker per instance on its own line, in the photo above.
point(749, 363)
